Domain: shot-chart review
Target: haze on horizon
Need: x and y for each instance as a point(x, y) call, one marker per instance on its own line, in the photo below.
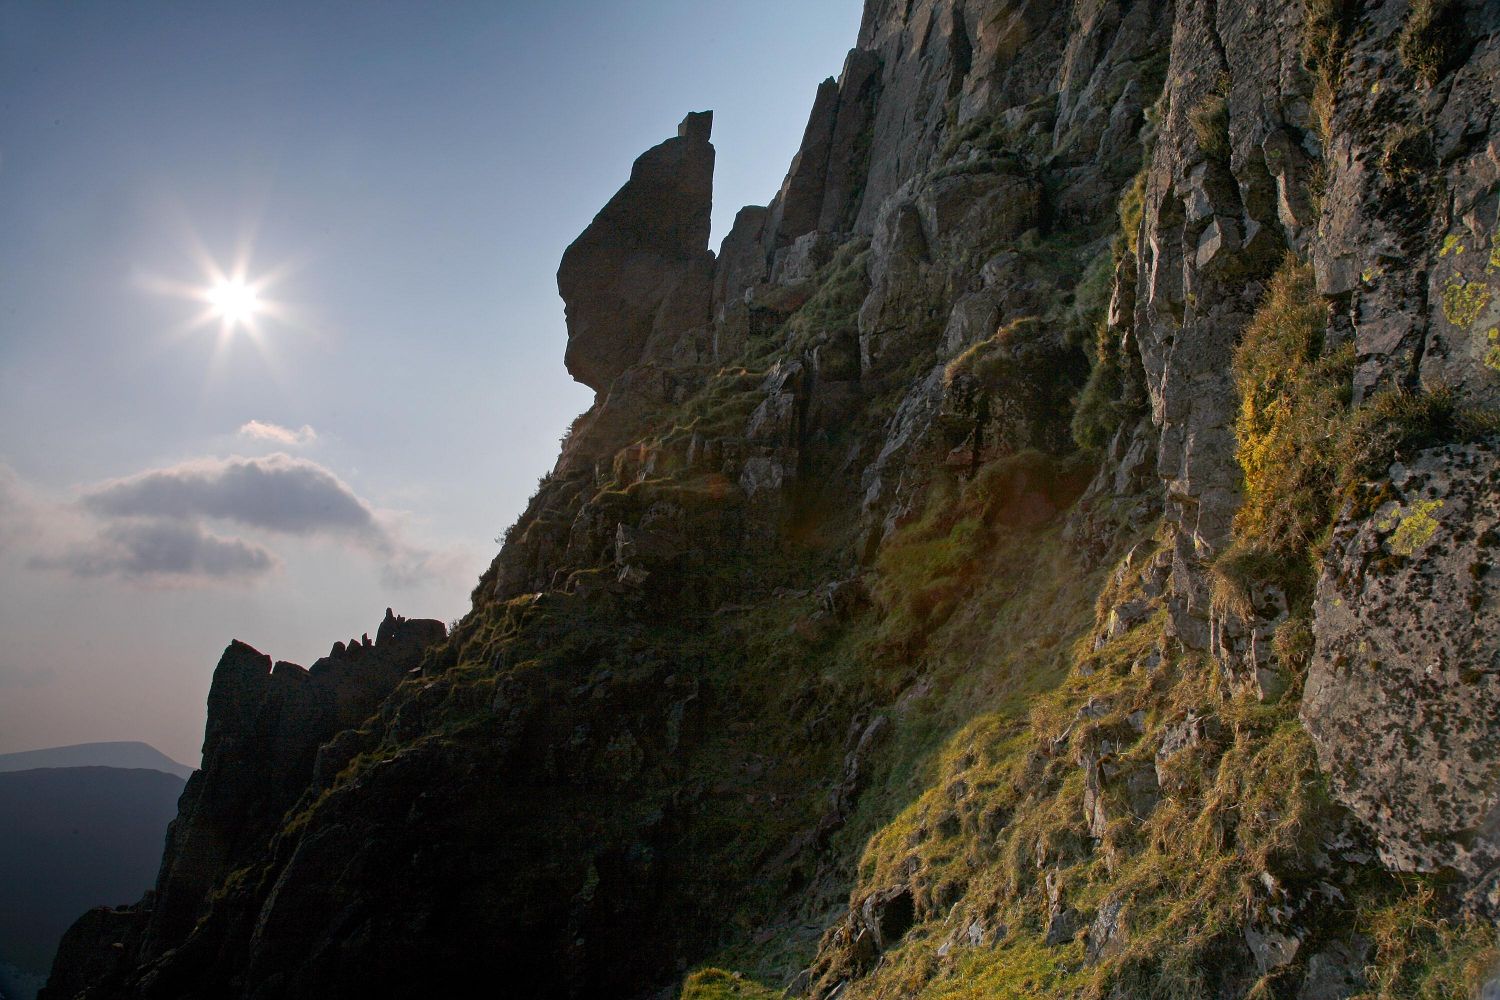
point(393, 192)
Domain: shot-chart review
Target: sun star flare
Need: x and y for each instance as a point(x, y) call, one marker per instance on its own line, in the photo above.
point(234, 301)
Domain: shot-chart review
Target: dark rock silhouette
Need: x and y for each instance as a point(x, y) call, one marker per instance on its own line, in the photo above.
point(267, 726)
point(646, 248)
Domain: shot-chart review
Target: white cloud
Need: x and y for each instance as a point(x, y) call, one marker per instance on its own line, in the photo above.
point(276, 493)
point(162, 552)
point(260, 430)
point(153, 527)
point(16, 509)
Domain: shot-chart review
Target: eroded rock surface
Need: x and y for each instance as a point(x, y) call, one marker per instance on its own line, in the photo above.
point(1403, 697)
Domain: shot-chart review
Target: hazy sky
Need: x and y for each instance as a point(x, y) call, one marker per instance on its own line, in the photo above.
point(403, 178)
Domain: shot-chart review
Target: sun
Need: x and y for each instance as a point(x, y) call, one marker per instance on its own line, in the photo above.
point(234, 301)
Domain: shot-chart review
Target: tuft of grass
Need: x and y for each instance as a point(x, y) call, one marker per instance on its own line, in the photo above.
point(1021, 968)
point(1209, 119)
point(1431, 39)
point(833, 311)
point(1397, 422)
point(1131, 208)
point(1103, 405)
point(1325, 34)
point(717, 984)
point(1293, 404)
point(988, 360)
point(1107, 400)
point(1421, 954)
point(1301, 447)
point(1406, 153)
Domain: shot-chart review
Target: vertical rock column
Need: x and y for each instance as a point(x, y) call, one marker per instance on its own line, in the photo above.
point(637, 254)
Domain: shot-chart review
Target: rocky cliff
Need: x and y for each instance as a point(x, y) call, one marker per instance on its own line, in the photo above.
point(1046, 551)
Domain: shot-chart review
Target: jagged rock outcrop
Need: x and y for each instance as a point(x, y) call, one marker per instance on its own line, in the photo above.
point(642, 267)
point(267, 725)
point(822, 189)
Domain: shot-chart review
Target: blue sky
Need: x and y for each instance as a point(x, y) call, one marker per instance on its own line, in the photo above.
point(409, 174)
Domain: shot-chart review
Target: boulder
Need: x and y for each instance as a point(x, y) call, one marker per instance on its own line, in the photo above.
point(1402, 695)
point(888, 915)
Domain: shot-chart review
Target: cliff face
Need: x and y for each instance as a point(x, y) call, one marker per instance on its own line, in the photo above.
point(1046, 551)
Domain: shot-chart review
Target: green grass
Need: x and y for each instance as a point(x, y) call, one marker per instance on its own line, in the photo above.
point(832, 313)
point(1423, 954)
point(1302, 449)
point(1325, 36)
point(1293, 408)
point(716, 984)
point(1406, 153)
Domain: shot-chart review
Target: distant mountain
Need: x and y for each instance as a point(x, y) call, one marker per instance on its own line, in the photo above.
point(126, 754)
point(18, 985)
point(72, 838)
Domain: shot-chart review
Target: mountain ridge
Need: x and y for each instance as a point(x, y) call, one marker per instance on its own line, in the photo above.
point(75, 837)
point(116, 753)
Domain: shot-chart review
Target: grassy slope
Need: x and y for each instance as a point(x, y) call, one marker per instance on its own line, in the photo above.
point(984, 640)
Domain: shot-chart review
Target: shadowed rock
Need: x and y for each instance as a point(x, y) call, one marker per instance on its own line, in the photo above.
point(260, 746)
point(649, 239)
point(822, 186)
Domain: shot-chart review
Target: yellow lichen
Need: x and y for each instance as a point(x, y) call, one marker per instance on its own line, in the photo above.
point(1415, 528)
point(1492, 354)
point(1451, 245)
point(1463, 301)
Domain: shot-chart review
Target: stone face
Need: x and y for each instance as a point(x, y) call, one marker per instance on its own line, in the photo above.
point(1403, 696)
point(888, 915)
point(1106, 934)
point(849, 146)
point(1336, 972)
point(1063, 922)
point(650, 236)
point(96, 952)
point(800, 202)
